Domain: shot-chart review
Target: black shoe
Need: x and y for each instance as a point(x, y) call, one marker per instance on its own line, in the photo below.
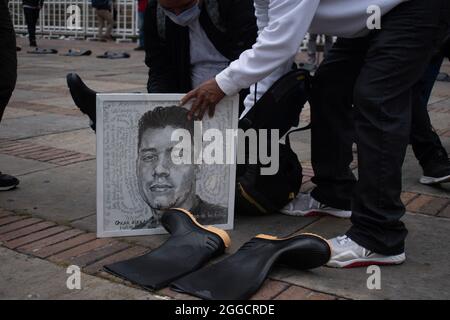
point(189, 248)
point(8, 182)
point(437, 169)
point(84, 98)
point(239, 276)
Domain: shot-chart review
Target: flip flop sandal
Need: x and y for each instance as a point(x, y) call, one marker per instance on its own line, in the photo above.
point(114, 55)
point(43, 51)
point(77, 53)
point(240, 276)
point(443, 77)
point(190, 246)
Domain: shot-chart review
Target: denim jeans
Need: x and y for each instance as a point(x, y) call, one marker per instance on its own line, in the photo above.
point(363, 92)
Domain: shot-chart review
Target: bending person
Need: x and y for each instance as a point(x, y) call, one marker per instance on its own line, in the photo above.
point(372, 70)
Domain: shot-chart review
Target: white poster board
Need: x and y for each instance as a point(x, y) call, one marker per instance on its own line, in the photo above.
point(137, 180)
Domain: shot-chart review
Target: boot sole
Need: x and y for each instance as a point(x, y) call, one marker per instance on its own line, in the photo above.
point(318, 212)
point(430, 180)
point(358, 263)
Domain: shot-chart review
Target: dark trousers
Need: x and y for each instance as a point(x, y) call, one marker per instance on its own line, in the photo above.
point(8, 57)
point(363, 92)
point(31, 19)
point(424, 140)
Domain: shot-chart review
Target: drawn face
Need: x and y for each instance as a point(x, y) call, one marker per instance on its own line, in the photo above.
point(177, 6)
point(163, 184)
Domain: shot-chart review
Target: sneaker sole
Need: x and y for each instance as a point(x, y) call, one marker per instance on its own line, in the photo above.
point(315, 213)
point(430, 180)
point(358, 263)
point(8, 188)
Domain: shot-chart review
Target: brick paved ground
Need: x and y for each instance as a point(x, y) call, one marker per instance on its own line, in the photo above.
point(50, 219)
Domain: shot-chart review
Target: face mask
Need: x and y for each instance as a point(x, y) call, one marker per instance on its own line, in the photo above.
point(186, 17)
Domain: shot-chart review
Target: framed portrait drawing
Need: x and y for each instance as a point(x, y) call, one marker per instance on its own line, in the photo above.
point(151, 158)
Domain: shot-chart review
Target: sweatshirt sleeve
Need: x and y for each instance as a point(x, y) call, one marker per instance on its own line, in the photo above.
point(288, 22)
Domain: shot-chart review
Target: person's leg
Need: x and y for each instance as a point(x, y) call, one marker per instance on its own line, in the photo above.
point(424, 140)
point(109, 24)
point(312, 48)
point(8, 67)
point(35, 19)
point(332, 133)
point(328, 44)
point(8, 57)
point(397, 57)
point(141, 29)
point(101, 22)
point(28, 13)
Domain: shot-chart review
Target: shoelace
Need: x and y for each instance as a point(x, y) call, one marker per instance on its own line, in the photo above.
point(342, 240)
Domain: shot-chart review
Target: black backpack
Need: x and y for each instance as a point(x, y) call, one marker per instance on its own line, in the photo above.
point(279, 108)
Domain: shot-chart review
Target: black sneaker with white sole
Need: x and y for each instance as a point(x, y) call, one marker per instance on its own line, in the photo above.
point(8, 182)
point(436, 170)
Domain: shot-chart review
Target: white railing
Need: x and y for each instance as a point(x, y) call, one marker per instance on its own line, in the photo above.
point(77, 18)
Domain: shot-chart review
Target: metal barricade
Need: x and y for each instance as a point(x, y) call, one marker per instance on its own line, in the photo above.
point(76, 18)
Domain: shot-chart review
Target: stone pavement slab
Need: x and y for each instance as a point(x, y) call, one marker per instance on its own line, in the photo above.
point(23, 277)
point(23, 95)
point(425, 275)
point(88, 223)
point(82, 140)
point(412, 173)
point(60, 194)
point(12, 113)
point(18, 167)
point(32, 126)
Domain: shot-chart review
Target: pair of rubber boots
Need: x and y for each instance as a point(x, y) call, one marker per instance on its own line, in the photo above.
point(179, 261)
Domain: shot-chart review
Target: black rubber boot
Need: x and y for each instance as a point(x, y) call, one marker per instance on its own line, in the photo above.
point(84, 98)
point(190, 246)
point(240, 276)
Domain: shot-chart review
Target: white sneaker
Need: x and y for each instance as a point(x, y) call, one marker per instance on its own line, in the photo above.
point(345, 253)
point(304, 205)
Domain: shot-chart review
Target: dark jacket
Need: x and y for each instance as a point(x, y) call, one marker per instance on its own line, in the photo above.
point(102, 4)
point(168, 55)
point(33, 3)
